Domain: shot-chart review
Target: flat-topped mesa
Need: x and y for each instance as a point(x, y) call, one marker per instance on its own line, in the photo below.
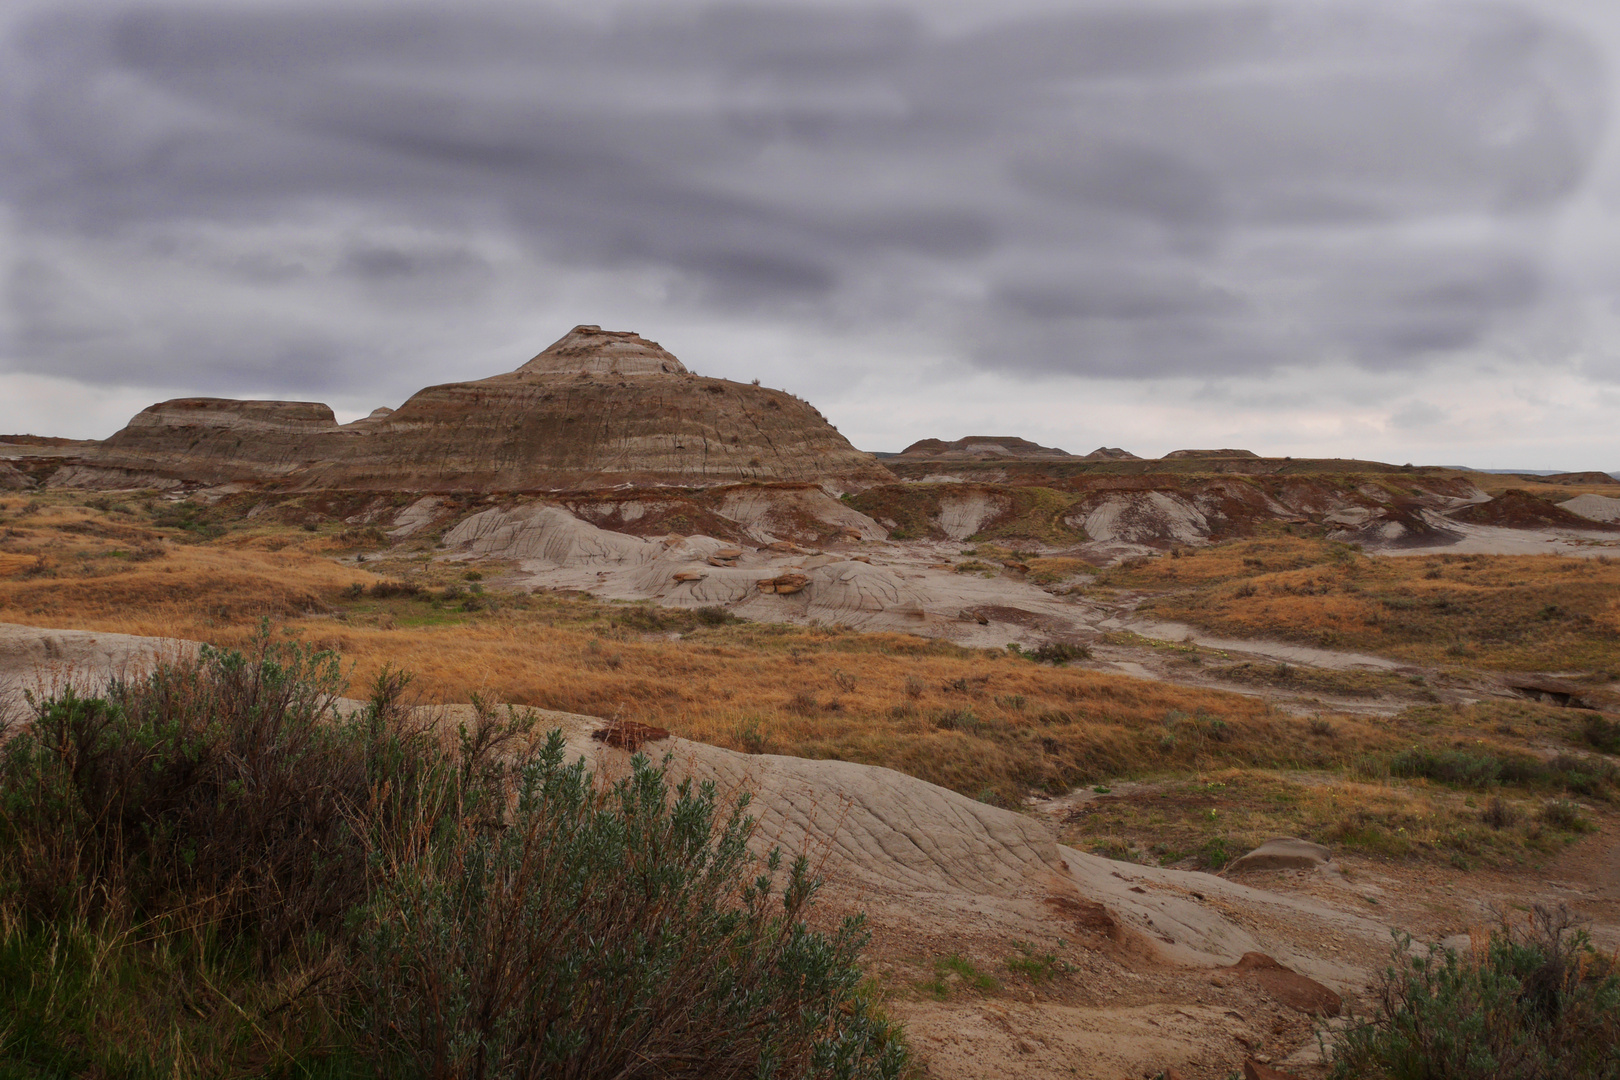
point(244, 416)
point(980, 448)
point(1177, 454)
point(211, 439)
point(594, 351)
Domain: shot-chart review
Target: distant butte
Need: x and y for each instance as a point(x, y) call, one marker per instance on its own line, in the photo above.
point(1210, 454)
point(980, 448)
point(599, 408)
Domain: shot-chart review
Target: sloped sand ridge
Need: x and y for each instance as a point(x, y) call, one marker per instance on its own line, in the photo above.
point(546, 537)
point(879, 830)
point(41, 661)
point(1594, 507)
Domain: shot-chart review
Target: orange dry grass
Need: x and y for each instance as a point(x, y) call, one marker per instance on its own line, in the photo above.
point(188, 592)
point(979, 722)
point(985, 723)
point(16, 564)
point(970, 721)
point(1525, 611)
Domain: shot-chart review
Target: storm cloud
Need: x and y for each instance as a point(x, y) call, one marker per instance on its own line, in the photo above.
point(300, 197)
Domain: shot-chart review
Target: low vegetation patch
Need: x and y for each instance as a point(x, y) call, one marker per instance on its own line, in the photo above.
point(1311, 680)
point(1529, 612)
point(1205, 821)
point(1537, 1000)
point(1027, 513)
point(955, 973)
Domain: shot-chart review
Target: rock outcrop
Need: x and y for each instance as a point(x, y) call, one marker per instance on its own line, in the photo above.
point(597, 409)
point(214, 440)
point(13, 479)
point(1283, 853)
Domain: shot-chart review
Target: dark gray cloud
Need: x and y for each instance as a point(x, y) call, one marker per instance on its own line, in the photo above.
point(1128, 189)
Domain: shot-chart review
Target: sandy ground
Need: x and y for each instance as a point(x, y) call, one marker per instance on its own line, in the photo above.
point(1496, 540)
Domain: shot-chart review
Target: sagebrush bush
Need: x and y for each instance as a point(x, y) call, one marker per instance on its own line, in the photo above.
point(1601, 733)
point(1587, 775)
point(1056, 653)
point(614, 931)
point(215, 787)
point(1448, 766)
point(1539, 1002)
point(369, 889)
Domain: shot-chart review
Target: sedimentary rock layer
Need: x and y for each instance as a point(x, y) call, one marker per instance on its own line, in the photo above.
point(597, 409)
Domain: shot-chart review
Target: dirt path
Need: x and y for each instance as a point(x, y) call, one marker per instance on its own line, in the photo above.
point(1259, 649)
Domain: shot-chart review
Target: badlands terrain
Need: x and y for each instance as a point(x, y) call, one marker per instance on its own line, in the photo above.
point(1027, 709)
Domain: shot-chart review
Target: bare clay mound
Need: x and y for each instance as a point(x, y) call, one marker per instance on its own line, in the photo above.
point(890, 589)
point(939, 873)
point(1593, 507)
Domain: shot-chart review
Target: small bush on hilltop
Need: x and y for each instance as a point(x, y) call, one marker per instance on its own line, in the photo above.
point(1539, 1002)
point(208, 871)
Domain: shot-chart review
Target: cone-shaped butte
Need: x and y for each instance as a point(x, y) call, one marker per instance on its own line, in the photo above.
point(597, 409)
point(596, 351)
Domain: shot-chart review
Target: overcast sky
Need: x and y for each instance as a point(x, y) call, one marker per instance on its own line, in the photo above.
point(1303, 227)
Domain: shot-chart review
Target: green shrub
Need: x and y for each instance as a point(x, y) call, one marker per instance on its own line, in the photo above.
point(963, 720)
point(612, 932)
point(1601, 733)
point(210, 865)
point(1447, 766)
point(954, 972)
point(1214, 855)
point(1540, 1002)
point(1565, 815)
point(1500, 815)
point(1036, 965)
point(1056, 653)
point(214, 783)
point(713, 615)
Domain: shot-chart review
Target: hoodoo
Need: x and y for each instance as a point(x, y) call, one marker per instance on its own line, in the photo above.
point(598, 408)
